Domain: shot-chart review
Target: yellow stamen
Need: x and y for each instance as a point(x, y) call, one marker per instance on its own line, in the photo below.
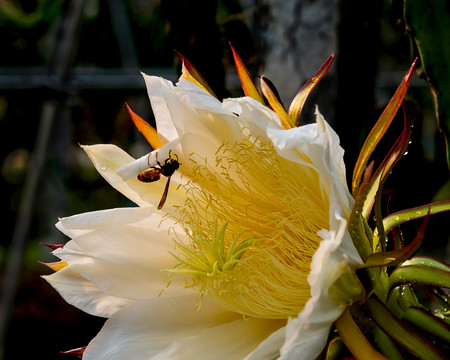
point(281, 207)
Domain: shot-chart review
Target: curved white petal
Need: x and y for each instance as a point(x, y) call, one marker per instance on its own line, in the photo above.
point(201, 122)
point(155, 88)
point(269, 348)
point(144, 329)
point(126, 260)
point(107, 159)
point(80, 224)
point(233, 340)
point(83, 294)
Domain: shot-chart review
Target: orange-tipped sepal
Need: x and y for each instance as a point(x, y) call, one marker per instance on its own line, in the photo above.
point(299, 101)
point(78, 351)
point(271, 94)
point(189, 72)
point(56, 266)
point(246, 80)
point(146, 129)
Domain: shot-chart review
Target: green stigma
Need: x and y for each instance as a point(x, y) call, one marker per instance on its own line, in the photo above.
point(209, 261)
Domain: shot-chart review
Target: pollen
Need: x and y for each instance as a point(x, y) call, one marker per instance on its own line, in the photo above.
point(253, 218)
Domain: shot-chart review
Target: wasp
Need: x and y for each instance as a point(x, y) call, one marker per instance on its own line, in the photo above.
point(154, 174)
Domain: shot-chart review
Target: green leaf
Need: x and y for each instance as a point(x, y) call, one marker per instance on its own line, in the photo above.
point(427, 23)
point(428, 322)
point(401, 333)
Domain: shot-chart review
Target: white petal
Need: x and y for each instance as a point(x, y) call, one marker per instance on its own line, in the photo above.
point(126, 260)
point(201, 121)
point(146, 328)
point(83, 294)
point(234, 340)
point(80, 224)
point(156, 86)
point(270, 347)
point(108, 159)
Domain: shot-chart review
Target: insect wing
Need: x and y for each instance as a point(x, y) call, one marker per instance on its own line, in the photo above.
point(164, 195)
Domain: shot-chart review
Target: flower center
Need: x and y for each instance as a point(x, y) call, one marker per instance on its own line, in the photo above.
point(269, 211)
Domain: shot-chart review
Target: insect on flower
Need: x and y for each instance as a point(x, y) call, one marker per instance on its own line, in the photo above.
point(154, 174)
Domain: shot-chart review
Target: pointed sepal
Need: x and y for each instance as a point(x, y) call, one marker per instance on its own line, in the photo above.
point(424, 273)
point(402, 334)
point(77, 352)
point(247, 83)
point(354, 339)
point(389, 258)
point(296, 107)
point(189, 72)
point(403, 216)
point(55, 266)
point(271, 94)
point(426, 321)
point(146, 129)
point(53, 246)
point(380, 128)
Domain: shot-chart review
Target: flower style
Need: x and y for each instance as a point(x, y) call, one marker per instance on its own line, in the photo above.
point(240, 261)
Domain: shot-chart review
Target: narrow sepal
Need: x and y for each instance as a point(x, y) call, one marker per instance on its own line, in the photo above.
point(55, 266)
point(189, 72)
point(271, 94)
point(403, 216)
point(246, 80)
point(357, 223)
point(146, 129)
point(428, 322)
point(386, 345)
point(53, 246)
point(402, 334)
point(439, 297)
point(394, 155)
point(296, 107)
point(388, 258)
point(78, 351)
point(419, 274)
point(354, 339)
point(335, 349)
point(380, 128)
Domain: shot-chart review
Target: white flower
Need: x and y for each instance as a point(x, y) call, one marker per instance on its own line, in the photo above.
point(239, 261)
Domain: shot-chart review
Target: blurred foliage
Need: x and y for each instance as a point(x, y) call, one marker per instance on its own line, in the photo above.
point(426, 23)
